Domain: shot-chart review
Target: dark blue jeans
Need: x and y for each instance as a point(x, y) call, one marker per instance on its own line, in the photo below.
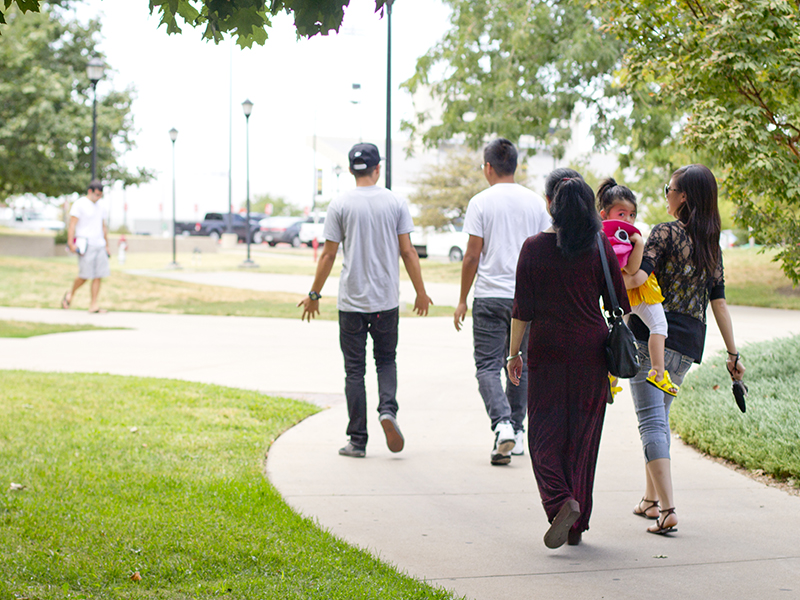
point(491, 328)
point(353, 330)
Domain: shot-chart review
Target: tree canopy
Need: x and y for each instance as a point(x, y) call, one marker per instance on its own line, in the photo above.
point(46, 109)
point(280, 207)
point(512, 68)
point(246, 20)
point(444, 190)
point(730, 70)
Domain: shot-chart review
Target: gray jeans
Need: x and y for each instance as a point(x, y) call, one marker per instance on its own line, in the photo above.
point(652, 405)
point(491, 327)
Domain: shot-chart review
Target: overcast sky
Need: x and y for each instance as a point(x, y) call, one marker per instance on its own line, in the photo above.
point(297, 88)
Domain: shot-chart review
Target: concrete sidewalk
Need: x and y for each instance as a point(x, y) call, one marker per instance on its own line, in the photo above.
point(438, 510)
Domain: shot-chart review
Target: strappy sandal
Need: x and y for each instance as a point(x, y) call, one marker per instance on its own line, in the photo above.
point(65, 302)
point(664, 529)
point(652, 504)
point(665, 385)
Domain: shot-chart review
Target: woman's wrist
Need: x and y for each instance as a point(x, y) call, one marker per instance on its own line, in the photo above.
point(513, 356)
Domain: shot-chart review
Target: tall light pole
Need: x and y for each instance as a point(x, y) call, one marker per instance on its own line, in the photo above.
point(173, 135)
point(95, 70)
point(229, 225)
point(388, 170)
point(247, 107)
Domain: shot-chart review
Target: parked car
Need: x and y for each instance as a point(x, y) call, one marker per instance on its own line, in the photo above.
point(37, 222)
point(215, 224)
point(449, 241)
point(280, 230)
point(313, 228)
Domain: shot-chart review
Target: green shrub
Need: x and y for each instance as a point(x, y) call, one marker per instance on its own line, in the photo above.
point(766, 436)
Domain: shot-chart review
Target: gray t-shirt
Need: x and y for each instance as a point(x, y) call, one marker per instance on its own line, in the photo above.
point(366, 222)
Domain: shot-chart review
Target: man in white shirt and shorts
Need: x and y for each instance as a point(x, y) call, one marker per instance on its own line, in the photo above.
point(373, 227)
point(498, 221)
point(87, 235)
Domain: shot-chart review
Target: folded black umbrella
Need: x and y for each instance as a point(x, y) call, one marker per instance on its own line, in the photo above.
point(739, 392)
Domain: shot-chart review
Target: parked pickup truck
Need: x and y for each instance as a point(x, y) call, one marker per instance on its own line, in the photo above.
point(313, 228)
point(449, 241)
point(215, 224)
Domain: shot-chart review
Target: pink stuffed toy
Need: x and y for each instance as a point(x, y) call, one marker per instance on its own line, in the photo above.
point(619, 233)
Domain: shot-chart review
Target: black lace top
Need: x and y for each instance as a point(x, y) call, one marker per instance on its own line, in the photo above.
point(670, 255)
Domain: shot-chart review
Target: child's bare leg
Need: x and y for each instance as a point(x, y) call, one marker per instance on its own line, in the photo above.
point(655, 344)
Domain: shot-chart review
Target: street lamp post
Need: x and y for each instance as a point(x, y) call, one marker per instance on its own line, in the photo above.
point(173, 135)
point(247, 107)
point(388, 170)
point(337, 170)
point(94, 70)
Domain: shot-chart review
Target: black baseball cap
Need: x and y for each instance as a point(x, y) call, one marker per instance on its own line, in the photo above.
point(363, 157)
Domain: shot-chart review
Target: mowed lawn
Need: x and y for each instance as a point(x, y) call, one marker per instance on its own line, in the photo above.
point(41, 283)
point(752, 279)
point(765, 437)
point(125, 487)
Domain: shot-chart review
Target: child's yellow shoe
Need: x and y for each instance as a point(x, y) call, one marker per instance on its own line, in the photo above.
point(614, 387)
point(665, 385)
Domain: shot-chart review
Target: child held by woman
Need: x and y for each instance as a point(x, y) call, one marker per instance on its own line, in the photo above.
point(617, 206)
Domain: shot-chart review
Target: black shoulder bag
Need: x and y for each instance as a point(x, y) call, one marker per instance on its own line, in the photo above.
point(621, 353)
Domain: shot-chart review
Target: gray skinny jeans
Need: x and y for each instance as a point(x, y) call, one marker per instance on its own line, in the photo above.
point(652, 405)
point(491, 328)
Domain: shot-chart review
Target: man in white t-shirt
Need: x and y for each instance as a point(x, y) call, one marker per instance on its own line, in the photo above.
point(498, 221)
point(373, 227)
point(87, 235)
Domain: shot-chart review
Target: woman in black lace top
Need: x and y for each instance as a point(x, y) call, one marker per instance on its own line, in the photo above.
point(686, 258)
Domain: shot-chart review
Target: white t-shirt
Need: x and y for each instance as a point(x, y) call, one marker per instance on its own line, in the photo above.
point(91, 216)
point(505, 215)
point(366, 222)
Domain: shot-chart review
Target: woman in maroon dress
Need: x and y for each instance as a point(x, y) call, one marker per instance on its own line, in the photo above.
point(560, 281)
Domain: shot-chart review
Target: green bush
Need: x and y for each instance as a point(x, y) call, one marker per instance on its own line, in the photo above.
point(766, 436)
point(61, 236)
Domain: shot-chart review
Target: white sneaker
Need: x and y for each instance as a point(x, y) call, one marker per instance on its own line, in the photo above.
point(519, 444)
point(504, 441)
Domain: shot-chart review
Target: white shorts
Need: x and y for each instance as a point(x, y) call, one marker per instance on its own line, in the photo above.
point(653, 316)
point(93, 264)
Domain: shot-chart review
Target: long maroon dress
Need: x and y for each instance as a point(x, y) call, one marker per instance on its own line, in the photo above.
point(567, 374)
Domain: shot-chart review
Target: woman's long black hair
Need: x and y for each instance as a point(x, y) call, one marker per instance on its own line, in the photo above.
point(575, 219)
point(700, 214)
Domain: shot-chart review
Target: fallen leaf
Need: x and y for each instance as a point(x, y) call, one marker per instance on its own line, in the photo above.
point(136, 576)
point(134, 429)
point(715, 388)
point(17, 487)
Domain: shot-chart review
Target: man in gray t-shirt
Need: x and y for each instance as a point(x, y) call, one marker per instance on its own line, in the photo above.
point(373, 227)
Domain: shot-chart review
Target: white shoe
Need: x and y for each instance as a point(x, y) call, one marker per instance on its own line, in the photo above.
point(519, 444)
point(504, 441)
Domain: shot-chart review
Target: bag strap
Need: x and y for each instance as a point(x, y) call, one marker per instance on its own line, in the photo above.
point(609, 284)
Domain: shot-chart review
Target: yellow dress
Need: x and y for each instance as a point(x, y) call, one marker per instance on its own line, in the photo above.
point(649, 292)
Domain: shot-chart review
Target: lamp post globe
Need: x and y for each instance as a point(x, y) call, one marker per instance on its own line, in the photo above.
point(94, 71)
point(247, 108)
point(173, 135)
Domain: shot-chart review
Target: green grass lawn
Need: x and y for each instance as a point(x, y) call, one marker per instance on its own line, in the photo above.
point(766, 436)
point(126, 475)
point(25, 329)
point(751, 279)
point(41, 283)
